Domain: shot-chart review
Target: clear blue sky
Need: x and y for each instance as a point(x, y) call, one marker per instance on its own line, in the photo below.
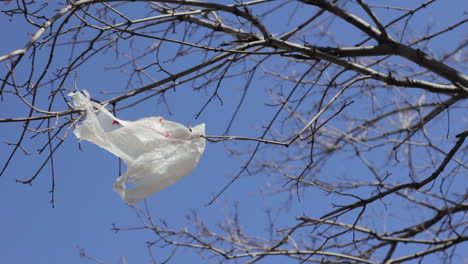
point(86, 206)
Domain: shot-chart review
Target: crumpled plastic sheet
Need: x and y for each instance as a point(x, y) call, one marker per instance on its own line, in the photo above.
point(156, 151)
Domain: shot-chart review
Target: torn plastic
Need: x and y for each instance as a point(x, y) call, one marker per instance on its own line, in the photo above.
point(157, 152)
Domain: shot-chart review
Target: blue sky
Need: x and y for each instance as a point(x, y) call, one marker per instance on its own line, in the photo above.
point(86, 207)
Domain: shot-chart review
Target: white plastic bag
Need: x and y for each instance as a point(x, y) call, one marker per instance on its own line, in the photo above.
point(157, 152)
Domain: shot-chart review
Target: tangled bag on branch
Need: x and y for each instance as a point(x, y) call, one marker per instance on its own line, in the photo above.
point(157, 152)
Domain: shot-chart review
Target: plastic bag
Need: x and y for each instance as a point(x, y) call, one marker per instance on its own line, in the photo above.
point(157, 152)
